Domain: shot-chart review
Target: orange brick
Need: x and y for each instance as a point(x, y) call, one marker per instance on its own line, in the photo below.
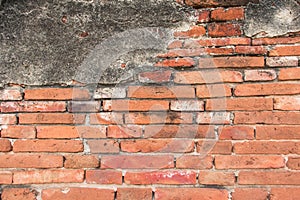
point(267, 89)
point(214, 147)
point(194, 162)
point(33, 106)
point(216, 42)
point(246, 104)
point(221, 14)
point(18, 132)
point(213, 118)
point(190, 193)
point(255, 50)
point(270, 41)
point(195, 31)
point(211, 91)
point(48, 176)
point(285, 51)
point(6, 177)
point(103, 146)
point(91, 131)
point(5, 145)
point(203, 16)
point(134, 193)
point(277, 132)
point(57, 132)
point(224, 29)
point(81, 161)
point(78, 193)
point(231, 62)
point(18, 194)
point(57, 94)
point(293, 163)
point(48, 146)
point(155, 76)
point(216, 178)
point(289, 74)
point(10, 94)
point(249, 162)
point(106, 118)
point(284, 193)
point(247, 194)
point(174, 177)
point(236, 133)
point(124, 131)
point(8, 119)
point(137, 162)
point(51, 118)
point(158, 145)
point(180, 62)
point(260, 75)
point(104, 177)
point(135, 105)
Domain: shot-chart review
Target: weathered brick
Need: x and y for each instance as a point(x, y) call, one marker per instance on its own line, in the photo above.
point(30, 161)
point(194, 162)
point(249, 162)
point(7, 119)
point(56, 94)
point(103, 146)
point(173, 177)
point(91, 131)
point(287, 103)
point(280, 40)
point(284, 193)
point(214, 147)
point(124, 131)
point(255, 50)
point(193, 32)
point(231, 62)
point(216, 178)
point(155, 76)
point(260, 75)
point(106, 118)
point(282, 61)
point(104, 177)
point(180, 62)
point(211, 91)
point(216, 42)
point(10, 94)
point(84, 106)
point(18, 194)
point(224, 29)
point(289, 74)
point(48, 176)
point(221, 14)
point(285, 51)
point(18, 132)
point(81, 161)
point(175, 44)
point(187, 105)
point(135, 105)
point(134, 193)
point(5, 145)
point(158, 145)
point(51, 118)
point(137, 162)
point(213, 118)
point(203, 16)
point(57, 132)
point(250, 194)
point(293, 163)
point(48, 146)
point(236, 133)
point(78, 193)
point(33, 106)
point(218, 3)
point(110, 93)
point(6, 177)
point(277, 132)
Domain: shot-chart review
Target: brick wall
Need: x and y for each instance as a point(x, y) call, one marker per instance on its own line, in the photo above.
point(217, 117)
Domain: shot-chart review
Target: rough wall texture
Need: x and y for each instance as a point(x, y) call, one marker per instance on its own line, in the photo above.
point(162, 100)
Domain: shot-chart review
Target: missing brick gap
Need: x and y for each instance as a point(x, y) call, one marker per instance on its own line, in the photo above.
point(153, 195)
point(115, 196)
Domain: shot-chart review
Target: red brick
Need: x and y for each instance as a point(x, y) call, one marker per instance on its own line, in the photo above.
point(158, 145)
point(211, 91)
point(5, 145)
point(196, 52)
point(174, 177)
point(231, 62)
point(270, 41)
point(187, 105)
point(124, 131)
point(277, 132)
point(78, 193)
point(236, 133)
point(267, 89)
point(183, 131)
point(289, 74)
point(284, 193)
point(103, 146)
point(282, 61)
point(293, 163)
point(250, 194)
point(81, 161)
point(287, 103)
point(247, 104)
point(267, 147)
point(106, 118)
point(211, 76)
point(190, 194)
point(203, 16)
point(267, 117)
point(260, 75)
point(219, 51)
point(251, 50)
point(48, 146)
point(268, 178)
point(158, 92)
point(214, 147)
point(134, 193)
point(6, 177)
point(30, 161)
point(194, 162)
point(137, 162)
point(180, 62)
point(216, 178)
point(104, 177)
point(159, 118)
point(216, 42)
point(51, 118)
point(224, 29)
point(18, 132)
point(221, 14)
point(84, 106)
point(213, 118)
point(195, 31)
point(285, 51)
point(18, 194)
point(57, 132)
point(48, 176)
point(249, 162)
point(10, 94)
point(135, 105)
point(33, 106)
point(175, 44)
point(91, 131)
point(57, 94)
point(8, 119)
point(155, 76)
